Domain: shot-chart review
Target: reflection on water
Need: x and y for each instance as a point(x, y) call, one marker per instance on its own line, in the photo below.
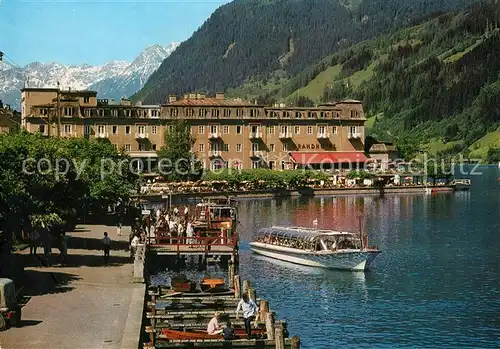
point(435, 284)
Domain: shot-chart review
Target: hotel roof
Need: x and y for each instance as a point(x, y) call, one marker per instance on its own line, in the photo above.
point(211, 102)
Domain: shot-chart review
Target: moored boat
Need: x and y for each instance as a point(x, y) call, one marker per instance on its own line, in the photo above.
point(316, 247)
point(213, 285)
point(182, 284)
point(200, 334)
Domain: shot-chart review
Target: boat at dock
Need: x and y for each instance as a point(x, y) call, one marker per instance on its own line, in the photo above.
point(316, 247)
point(201, 334)
point(213, 285)
point(461, 184)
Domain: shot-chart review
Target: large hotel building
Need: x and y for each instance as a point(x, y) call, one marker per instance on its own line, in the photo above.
point(227, 132)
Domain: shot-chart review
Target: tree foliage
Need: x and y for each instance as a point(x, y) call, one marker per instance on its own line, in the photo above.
point(46, 182)
point(176, 159)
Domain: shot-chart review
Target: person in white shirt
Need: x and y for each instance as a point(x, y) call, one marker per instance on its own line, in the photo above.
point(190, 233)
point(249, 309)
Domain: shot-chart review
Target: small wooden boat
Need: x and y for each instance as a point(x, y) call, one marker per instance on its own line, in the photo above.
point(181, 284)
point(213, 285)
point(200, 334)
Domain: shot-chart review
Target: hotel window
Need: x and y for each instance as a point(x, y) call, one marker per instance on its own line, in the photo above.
point(154, 146)
point(226, 129)
point(255, 146)
point(87, 130)
point(141, 129)
point(101, 129)
point(255, 164)
point(201, 129)
point(86, 99)
point(271, 147)
point(155, 113)
point(284, 129)
point(239, 113)
point(41, 128)
point(44, 111)
point(100, 112)
point(298, 114)
point(115, 146)
point(285, 147)
point(239, 148)
point(114, 113)
point(353, 129)
point(254, 128)
point(227, 113)
point(189, 112)
point(270, 130)
point(254, 113)
point(68, 129)
point(174, 112)
point(335, 130)
point(128, 113)
point(115, 130)
point(353, 114)
point(68, 111)
point(287, 114)
point(154, 130)
point(309, 130)
point(127, 130)
point(128, 147)
point(142, 147)
point(272, 165)
point(201, 147)
point(238, 130)
point(215, 113)
point(203, 112)
point(225, 147)
point(86, 112)
point(321, 130)
point(213, 129)
point(296, 130)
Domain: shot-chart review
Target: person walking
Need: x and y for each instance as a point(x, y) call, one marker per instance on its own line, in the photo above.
point(249, 309)
point(119, 229)
point(106, 241)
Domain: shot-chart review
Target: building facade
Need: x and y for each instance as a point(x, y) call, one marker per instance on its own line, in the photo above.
point(9, 119)
point(228, 133)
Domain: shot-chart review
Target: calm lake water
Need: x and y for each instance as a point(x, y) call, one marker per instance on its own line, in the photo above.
point(435, 284)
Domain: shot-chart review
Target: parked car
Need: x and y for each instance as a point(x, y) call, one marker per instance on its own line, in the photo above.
point(10, 310)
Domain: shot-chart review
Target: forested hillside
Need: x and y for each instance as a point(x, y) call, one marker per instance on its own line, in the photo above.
point(255, 40)
point(436, 84)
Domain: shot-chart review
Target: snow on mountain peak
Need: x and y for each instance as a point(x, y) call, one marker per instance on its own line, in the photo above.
point(114, 79)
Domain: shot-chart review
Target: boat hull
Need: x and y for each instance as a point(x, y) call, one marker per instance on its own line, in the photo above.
point(353, 261)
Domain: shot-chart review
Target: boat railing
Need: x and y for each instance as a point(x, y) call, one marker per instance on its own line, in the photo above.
point(204, 242)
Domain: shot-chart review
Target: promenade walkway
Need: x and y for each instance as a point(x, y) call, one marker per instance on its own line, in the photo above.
point(84, 303)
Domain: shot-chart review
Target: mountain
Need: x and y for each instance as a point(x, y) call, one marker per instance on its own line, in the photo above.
point(114, 79)
point(262, 39)
point(433, 87)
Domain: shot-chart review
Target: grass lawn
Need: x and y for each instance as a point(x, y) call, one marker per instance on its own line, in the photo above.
point(314, 90)
point(437, 145)
point(479, 149)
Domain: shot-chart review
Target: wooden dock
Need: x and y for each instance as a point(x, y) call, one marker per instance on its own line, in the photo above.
point(177, 311)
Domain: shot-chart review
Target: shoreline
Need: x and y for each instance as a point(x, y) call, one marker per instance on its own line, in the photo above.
point(306, 192)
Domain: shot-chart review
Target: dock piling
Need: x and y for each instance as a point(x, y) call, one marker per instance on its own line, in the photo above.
point(270, 325)
point(237, 287)
point(279, 336)
point(230, 275)
point(252, 294)
point(246, 286)
point(295, 342)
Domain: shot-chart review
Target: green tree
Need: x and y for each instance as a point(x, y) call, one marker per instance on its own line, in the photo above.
point(176, 160)
point(493, 155)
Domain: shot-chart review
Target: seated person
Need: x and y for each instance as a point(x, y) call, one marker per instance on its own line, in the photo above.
point(213, 326)
point(228, 331)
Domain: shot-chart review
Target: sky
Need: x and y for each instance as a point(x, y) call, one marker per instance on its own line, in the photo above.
point(95, 31)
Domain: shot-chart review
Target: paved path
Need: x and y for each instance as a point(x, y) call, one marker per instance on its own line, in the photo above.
point(84, 304)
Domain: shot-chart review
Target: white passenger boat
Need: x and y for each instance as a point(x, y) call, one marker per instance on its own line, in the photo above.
point(316, 247)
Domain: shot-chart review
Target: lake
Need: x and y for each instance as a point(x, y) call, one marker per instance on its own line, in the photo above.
point(435, 284)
